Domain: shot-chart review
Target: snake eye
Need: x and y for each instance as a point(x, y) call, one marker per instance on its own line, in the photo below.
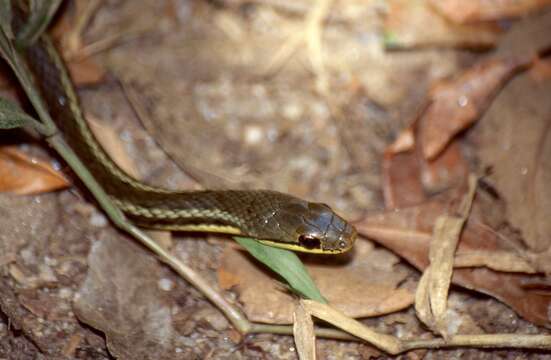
point(309, 241)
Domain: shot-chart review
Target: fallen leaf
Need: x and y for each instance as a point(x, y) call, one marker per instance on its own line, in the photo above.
point(86, 72)
point(408, 232)
point(415, 24)
point(528, 37)
point(333, 316)
point(435, 282)
point(402, 184)
point(446, 170)
point(110, 141)
point(303, 332)
point(541, 69)
point(461, 11)
point(504, 261)
point(514, 141)
point(360, 286)
point(404, 142)
point(408, 177)
point(457, 103)
point(23, 175)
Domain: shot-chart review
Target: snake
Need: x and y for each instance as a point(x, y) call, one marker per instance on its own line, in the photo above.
point(272, 218)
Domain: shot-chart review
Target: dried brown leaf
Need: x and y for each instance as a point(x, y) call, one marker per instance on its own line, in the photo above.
point(514, 140)
point(23, 175)
point(448, 169)
point(402, 184)
point(303, 332)
point(461, 11)
point(333, 316)
point(111, 142)
point(86, 72)
point(408, 232)
point(404, 142)
point(457, 103)
point(415, 24)
point(541, 69)
point(365, 285)
point(505, 261)
point(437, 276)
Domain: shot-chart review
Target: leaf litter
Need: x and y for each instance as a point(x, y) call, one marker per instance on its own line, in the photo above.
point(365, 283)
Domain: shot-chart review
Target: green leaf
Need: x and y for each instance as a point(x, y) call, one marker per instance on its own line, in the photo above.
point(6, 48)
point(285, 263)
point(11, 116)
point(42, 13)
point(5, 16)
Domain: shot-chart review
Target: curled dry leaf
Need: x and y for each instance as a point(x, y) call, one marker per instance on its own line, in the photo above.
point(461, 11)
point(457, 103)
point(479, 244)
point(408, 232)
point(23, 175)
point(303, 332)
point(416, 24)
point(504, 261)
point(333, 316)
point(437, 276)
point(364, 285)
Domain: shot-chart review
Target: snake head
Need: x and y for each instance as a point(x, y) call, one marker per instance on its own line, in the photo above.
point(323, 229)
point(309, 227)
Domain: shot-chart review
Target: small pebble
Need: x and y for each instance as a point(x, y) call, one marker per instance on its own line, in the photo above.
point(166, 284)
point(213, 317)
point(47, 274)
point(293, 111)
point(28, 256)
point(98, 219)
point(253, 135)
point(65, 293)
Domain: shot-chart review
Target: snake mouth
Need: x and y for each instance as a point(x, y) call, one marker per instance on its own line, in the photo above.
point(299, 247)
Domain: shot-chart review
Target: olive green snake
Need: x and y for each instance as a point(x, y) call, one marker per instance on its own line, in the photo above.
point(271, 217)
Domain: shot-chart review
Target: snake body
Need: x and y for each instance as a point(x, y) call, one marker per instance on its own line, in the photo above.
point(271, 217)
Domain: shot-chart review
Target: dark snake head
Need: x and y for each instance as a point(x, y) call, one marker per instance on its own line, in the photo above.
point(310, 227)
point(323, 228)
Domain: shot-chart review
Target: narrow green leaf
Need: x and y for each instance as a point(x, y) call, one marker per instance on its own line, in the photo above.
point(13, 59)
point(5, 16)
point(285, 263)
point(6, 48)
point(42, 13)
point(11, 116)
